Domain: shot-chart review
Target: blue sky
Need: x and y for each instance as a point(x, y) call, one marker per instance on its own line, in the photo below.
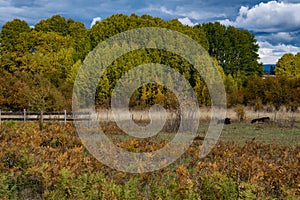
point(276, 24)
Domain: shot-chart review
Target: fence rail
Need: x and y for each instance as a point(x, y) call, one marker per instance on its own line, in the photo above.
point(62, 116)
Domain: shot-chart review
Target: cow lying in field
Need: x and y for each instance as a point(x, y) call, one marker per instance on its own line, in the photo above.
point(262, 119)
point(224, 121)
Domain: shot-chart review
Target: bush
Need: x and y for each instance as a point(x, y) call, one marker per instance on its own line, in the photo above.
point(258, 105)
point(218, 186)
point(240, 112)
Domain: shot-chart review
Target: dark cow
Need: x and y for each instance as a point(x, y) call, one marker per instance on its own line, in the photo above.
point(224, 121)
point(262, 119)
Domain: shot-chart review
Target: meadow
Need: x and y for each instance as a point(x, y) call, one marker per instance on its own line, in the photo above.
point(250, 161)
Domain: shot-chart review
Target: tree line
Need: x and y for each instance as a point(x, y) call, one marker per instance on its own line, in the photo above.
point(38, 65)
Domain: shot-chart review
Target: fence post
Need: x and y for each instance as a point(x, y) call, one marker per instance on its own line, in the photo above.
point(24, 115)
point(90, 119)
point(42, 113)
point(41, 120)
point(107, 117)
point(65, 117)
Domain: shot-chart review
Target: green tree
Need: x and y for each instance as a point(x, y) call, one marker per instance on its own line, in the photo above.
point(103, 93)
point(278, 93)
point(41, 95)
point(236, 50)
point(56, 23)
point(11, 31)
point(288, 65)
point(217, 40)
point(10, 44)
point(79, 35)
point(254, 88)
point(118, 23)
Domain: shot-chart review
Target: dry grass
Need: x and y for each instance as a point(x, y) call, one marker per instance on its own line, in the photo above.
point(282, 115)
point(205, 115)
point(284, 131)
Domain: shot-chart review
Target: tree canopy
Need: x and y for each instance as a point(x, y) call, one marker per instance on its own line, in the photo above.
point(236, 50)
point(288, 65)
point(50, 54)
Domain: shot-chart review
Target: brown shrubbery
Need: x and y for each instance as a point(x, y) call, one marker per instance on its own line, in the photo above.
point(53, 164)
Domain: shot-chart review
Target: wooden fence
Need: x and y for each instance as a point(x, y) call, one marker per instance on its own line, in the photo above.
point(62, 116)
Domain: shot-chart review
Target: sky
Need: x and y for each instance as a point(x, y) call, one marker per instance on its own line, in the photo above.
point(276, 24)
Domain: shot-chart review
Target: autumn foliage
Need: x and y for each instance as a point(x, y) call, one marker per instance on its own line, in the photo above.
point(53, 164)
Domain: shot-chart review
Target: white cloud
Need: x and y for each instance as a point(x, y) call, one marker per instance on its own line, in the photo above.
point(10, 10)
point(4, 3)
point(187, 21)
point(280, 37)
point(183, 12)
point(269, 54)
point(272, 16)
point(279, 23)
point(96, 19)
point(166, 11)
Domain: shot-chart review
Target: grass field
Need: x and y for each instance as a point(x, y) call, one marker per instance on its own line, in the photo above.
point(284, 130)
point(270, 133)
point(265, 133)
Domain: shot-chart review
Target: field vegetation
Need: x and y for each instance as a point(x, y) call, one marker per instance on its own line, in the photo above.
point(249, 162)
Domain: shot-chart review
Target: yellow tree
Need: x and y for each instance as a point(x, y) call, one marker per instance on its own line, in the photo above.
point(288, 65)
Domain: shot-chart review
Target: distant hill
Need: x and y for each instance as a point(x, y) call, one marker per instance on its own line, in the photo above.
point(269, 69)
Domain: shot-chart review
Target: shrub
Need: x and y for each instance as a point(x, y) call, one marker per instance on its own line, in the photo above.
point(218, 186)
point(258, 105)
point(240, 112)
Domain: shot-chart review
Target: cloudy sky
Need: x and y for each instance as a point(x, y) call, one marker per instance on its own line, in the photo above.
point(276, 24)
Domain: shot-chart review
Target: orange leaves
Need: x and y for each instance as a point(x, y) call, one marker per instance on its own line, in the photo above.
point(135, 145)
point(272, 168)
point(254, 170)
point(181, 171)
point(184, 181)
